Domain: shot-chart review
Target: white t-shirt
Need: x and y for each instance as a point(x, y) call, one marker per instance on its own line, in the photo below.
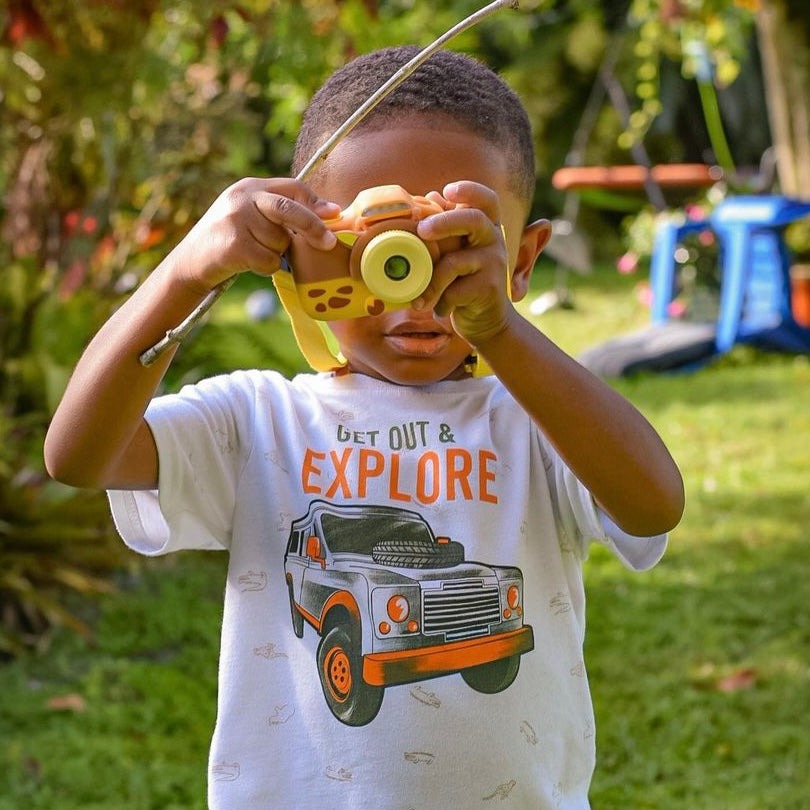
point(404, 611)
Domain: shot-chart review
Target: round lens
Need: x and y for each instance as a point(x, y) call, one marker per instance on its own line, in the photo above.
point(397, 268)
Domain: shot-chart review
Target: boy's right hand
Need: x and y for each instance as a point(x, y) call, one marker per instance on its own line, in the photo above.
point(98, 437)
point(248, 227)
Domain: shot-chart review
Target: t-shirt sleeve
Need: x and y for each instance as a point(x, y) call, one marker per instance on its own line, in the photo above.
point(582, 522)
point(203, 437)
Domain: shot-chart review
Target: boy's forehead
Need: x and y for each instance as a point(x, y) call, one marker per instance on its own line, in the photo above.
point(421, 155)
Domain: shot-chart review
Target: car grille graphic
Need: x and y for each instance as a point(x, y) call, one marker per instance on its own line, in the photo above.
point(461, 610)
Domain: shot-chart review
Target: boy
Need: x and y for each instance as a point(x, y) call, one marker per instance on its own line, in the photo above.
point(404, 612)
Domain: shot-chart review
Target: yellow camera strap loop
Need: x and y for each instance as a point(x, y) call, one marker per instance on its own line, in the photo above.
point(314, 338)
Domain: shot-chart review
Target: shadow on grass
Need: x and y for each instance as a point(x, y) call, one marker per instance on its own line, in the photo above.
point(746, 377)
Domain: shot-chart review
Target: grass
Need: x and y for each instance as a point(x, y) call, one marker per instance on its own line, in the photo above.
point(700, 668)
point(124, 724)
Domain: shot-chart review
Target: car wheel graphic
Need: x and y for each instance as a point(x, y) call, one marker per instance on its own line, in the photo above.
point(492, 677)
point(350, 698)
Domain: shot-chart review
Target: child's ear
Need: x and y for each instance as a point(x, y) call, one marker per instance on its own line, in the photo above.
point(532, 241)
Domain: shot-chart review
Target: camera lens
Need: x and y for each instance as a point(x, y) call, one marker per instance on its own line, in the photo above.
point(397, 268)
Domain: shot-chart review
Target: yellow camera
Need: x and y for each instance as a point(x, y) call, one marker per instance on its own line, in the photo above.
point(378, 264)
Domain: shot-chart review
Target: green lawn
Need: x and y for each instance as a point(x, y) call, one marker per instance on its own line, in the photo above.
point(700, 668)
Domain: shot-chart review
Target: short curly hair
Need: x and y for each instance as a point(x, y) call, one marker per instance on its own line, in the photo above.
point(449, 84)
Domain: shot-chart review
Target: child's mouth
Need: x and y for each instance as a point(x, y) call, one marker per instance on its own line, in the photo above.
point(417, 341)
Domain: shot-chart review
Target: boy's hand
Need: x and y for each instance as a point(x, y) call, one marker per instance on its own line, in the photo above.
point(470, 284)
point(248, 228)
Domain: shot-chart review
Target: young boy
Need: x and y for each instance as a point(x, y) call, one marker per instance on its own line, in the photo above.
point(404, 613)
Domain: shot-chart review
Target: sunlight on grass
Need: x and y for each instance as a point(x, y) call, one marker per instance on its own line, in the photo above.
point(603, 304)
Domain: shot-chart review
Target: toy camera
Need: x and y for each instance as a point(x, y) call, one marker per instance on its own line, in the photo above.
point(378, 264)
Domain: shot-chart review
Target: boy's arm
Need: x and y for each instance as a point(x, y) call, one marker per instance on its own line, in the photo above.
point(602, 437)
point(98, 437)
point(607, 443)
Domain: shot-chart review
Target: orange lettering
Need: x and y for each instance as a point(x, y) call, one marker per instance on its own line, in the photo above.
point(341, 481)
point(458, 474)
point(486, 475)
point(393, 482)
point(371, 465)
point(308, 468)
point(428, 478)
point(454, 473)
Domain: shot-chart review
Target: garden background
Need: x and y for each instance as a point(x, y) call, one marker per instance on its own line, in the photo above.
point(121, 121)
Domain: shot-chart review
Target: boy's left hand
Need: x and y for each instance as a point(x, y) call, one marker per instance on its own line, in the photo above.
point(470, 284)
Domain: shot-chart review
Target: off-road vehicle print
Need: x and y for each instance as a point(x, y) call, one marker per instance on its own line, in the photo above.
point(394, 604)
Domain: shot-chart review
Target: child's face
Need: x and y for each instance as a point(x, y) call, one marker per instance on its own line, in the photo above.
point(407, 346)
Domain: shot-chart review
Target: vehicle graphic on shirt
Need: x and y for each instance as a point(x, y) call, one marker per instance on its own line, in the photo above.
point(394, 604)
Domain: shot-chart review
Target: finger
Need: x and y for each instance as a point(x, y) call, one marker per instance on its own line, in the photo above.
point(475, 299)
point(479, 223)
point(469, 194)
point(295, 207)
point(470, 224)
point(463, 292)
point(486, 263)
point(263, 251)
point(446, 272)
point(302, 193)
point(437, 198)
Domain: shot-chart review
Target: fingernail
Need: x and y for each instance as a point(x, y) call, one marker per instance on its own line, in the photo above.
point(327, 210)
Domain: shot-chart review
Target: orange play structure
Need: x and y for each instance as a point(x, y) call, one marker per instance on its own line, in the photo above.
point(666, 175)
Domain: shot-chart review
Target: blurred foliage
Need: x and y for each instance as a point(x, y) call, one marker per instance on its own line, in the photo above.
point(707, 38)
point(122, 120)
